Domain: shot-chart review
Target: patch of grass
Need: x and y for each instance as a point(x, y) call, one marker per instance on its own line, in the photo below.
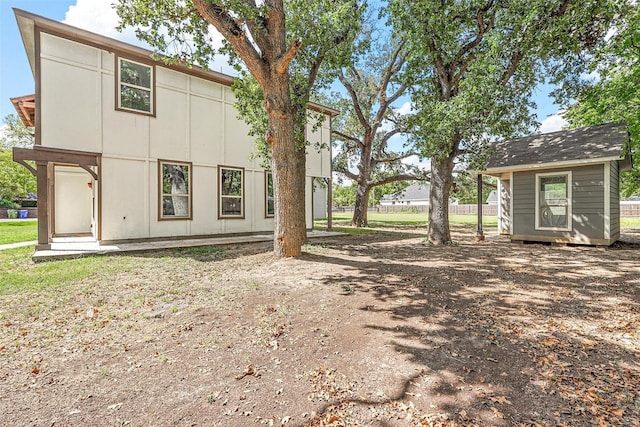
point(18, 231)
point(630, 222)
point(19, 273)
point(390, 219)
point(204, 253)
point(352, 230)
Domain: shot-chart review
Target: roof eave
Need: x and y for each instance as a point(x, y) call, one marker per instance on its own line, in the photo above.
point(550, 165)
point(27, 22)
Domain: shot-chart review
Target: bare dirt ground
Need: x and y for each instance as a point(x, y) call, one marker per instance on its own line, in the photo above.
point(363, 330)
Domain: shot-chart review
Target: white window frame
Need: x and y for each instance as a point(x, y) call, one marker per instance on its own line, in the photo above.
point(268, 174)
point(150, 89)
point(569, 180)
point(162, 195)
point(222, 215)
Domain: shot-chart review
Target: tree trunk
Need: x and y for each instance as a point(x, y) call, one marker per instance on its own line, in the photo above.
point(361, 205)
point(363, 189)
point(289, 178)
point(441, 184)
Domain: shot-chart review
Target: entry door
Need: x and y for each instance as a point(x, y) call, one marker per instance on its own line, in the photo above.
point(73, 208)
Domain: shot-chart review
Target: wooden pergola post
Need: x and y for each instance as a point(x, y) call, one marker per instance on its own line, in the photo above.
point(480, 232)
point(329, 182)
point(42, 172)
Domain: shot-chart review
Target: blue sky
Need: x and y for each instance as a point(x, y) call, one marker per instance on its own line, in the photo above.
point(95, 15)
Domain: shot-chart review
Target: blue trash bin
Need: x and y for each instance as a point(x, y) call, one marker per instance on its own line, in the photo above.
point(23, 213)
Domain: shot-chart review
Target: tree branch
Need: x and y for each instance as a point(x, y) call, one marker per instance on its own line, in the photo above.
point(285, 60)
point(403, 177)
point(482, 29)
point(348, 137)
point(400, 157)
point(232, 30)
point(355, 100)
point(347, 173)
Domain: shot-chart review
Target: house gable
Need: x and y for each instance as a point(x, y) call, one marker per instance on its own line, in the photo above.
point(193, 124)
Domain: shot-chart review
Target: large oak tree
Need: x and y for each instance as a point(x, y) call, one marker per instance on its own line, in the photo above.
point(282, 44)
point(474, 65)
point(368, 122)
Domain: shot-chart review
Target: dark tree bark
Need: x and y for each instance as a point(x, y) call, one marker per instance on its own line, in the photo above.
point(441, 184)
point(270, 69)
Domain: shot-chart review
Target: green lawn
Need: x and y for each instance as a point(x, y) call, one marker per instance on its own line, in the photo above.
point(630, 222)
point(408, 218)
point(18, 231)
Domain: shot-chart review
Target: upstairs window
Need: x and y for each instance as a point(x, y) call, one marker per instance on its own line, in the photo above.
point(269, 206)
point(135, 86)
point(553, 201)
point(175, 190)
point(231, 191)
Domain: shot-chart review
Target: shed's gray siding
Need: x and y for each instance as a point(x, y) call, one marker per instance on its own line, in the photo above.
point(614, 201)
point(587, 206)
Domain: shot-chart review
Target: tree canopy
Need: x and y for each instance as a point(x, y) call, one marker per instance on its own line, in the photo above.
point(283, 45)
point(369, 121)
point(615, 96)
point(15, 180)
point(473, 67)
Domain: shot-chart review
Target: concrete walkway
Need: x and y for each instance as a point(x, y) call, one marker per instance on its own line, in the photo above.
point(18, 245)
point(78, 247)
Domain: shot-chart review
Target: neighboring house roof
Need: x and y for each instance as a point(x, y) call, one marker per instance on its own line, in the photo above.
point(418, 191)
point(594, 144)
point(493, 198)
point(26, 108)
point(27, 21)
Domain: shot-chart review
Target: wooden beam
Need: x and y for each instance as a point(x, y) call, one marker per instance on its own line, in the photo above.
point(55, 155)
point(91, 172)
point(43, 206)
point(480, 232)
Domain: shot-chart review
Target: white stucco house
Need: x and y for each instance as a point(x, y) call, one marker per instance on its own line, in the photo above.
point(130, 148)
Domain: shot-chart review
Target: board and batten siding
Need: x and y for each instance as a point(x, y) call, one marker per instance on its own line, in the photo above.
point(587, 206)
point(195, 121)
point(614, 201)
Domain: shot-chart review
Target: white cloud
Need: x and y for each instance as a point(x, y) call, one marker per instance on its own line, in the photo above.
point(99, 16)
point(406, 108)
point(553, 123)
point(425, 164)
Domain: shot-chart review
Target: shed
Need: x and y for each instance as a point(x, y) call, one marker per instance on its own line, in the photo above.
point(562, 186)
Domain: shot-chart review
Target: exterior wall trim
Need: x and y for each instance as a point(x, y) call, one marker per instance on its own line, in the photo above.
point(569, 226)
point(511, 203)
point(607, 201)
point(555, 165)
point(560, 239)
point(69, 32)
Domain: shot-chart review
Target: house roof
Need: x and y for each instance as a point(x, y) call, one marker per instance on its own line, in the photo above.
point(417, 191)
point(26, 108)
point(592, 144)
point(28, 22)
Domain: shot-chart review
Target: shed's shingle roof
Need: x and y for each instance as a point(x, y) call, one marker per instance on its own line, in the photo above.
point(586, 143)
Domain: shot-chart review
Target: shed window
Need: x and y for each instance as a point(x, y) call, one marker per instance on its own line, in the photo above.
point(553, 202)
point(135, 86)
point(268, 191)
point(175, 190)
point(231, 190)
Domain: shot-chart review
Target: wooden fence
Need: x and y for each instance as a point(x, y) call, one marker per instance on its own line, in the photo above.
point(627, 209)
